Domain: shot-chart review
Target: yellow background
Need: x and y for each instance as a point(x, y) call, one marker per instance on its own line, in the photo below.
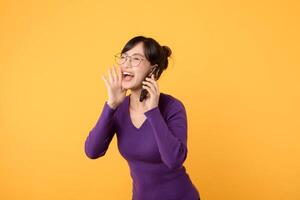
point(235, 67)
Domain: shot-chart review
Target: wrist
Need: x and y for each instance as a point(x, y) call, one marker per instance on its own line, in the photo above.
point(111, 105)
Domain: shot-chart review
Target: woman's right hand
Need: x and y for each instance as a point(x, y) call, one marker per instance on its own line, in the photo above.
point(116, 94)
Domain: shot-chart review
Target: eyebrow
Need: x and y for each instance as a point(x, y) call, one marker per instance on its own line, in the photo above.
point(136, 54)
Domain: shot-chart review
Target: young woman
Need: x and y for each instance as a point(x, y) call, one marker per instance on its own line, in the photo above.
point(151, 134)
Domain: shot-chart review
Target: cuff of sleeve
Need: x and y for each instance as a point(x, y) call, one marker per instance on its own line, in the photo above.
point(152, 111)
point(107, 107)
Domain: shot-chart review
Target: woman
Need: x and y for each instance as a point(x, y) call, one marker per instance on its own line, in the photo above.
point(151, 134)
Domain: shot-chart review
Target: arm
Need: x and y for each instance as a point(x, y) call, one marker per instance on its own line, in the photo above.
point(170, 134)
point(99, 138)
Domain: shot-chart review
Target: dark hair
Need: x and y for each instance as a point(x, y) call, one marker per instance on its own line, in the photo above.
point(154, 52)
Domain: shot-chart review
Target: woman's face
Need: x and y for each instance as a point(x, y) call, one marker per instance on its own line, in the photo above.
point(138, 72)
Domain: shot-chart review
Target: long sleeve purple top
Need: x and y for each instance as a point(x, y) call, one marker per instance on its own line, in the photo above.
point(155, 152)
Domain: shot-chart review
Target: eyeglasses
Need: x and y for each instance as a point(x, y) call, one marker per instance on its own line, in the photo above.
point(135, 60)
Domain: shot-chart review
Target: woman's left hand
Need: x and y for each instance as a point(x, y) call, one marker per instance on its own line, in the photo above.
point(152, 98)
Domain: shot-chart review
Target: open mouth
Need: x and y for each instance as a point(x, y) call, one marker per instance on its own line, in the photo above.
point(127, 76)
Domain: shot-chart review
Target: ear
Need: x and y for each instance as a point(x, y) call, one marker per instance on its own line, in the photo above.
point(154, 67)
point(156, 71)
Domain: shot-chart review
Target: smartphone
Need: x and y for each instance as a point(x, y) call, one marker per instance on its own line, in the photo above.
point(144, 92)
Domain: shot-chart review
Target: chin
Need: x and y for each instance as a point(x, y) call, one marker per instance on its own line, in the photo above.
point(131, 85)
point(127, 85)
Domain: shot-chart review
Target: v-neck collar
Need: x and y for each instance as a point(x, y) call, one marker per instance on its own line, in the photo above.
point(129, 117)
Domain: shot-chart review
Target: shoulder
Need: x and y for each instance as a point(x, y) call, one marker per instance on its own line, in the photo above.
point(170, 100)
point(170, 104)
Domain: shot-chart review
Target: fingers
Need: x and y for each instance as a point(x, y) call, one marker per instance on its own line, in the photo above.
point(105, 80)
point(152, 80)
point(152, 84)
point(149, 89)
point(116, 76)
point(120, 74)
point(111, 79)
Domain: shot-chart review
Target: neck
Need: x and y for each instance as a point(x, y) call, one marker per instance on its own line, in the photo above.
point(135, 103)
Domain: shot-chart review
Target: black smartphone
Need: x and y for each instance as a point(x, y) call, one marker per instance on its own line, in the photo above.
point(144, 92)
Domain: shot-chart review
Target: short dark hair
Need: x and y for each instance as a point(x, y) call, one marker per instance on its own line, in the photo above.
point(154, 52)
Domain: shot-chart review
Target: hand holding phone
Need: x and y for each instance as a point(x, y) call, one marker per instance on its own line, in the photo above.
point(144, 92)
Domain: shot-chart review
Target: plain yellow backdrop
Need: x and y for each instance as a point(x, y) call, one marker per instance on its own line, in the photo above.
point(235, 66)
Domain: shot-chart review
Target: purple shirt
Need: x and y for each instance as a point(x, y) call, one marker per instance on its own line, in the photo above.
point(155, 151)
